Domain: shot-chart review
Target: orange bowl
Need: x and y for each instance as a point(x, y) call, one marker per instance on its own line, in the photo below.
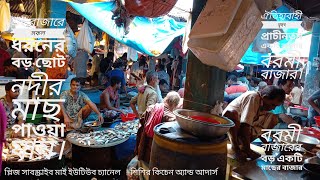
point(206, 119)
point(128, 117)
point(132, 84)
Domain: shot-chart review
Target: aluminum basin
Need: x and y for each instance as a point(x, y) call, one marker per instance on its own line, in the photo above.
point(200, 128)
point(297, 111)
point(308, 142)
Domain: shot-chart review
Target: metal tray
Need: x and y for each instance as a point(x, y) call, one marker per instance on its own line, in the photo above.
point(75, 142)
point(92, 124)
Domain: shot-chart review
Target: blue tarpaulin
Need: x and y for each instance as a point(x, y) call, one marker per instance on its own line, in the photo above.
point(147, 35)
point(251, 57)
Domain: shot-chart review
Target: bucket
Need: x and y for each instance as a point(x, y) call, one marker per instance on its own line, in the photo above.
point(37, 118)
point(174, 149)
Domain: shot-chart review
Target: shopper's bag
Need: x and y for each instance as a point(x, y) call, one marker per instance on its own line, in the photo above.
point(85, 38)
point(5, 16)
point(71, 42)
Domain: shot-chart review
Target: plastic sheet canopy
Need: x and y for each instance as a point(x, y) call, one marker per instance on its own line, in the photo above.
point(254, 57)
point(5, 16)
point(147, 35)
point(149, 8)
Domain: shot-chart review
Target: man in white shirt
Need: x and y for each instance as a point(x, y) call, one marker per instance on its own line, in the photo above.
point(296, 93)
point(250, 113)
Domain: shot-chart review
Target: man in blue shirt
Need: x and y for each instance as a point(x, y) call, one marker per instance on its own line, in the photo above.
point(118, 71)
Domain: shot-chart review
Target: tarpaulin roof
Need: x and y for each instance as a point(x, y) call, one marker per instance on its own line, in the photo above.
point(251, 57)
point(299, 48)
point(147, 35)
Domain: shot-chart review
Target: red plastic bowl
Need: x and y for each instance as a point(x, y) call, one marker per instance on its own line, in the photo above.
point(128, 117)
point(132, 84)
point(317, 119)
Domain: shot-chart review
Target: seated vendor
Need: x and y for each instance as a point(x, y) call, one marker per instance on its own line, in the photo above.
point(77, 106)
point(109, 99)
point(9, 106)
point(250, 114)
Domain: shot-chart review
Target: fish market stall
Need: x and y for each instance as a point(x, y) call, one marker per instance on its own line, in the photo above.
point(93, 148)
point(34, 152)
point(129, 127)
point(125, 152)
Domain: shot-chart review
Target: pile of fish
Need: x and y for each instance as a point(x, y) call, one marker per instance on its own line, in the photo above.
point(22, 149)
point(97, 138)
point(129, 127)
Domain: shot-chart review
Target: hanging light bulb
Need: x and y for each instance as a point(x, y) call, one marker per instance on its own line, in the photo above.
point(21, 6)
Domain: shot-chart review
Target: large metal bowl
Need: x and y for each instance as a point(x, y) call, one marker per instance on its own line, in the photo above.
point(200, 128)
point(307, 142)
point(297, 111)
point(93, 124)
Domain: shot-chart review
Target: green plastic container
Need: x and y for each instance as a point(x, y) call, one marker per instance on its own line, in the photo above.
point(37, 118)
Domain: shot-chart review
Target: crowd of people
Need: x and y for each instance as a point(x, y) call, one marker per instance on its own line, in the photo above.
point(156, 82)
point(250, 102)
point(153, 78)
point(239, 84)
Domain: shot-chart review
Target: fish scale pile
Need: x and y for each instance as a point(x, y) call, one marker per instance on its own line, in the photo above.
point(129, 127)
point(97, 138)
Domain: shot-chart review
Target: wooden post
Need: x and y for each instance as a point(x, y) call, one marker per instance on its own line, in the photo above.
point(204, 84)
